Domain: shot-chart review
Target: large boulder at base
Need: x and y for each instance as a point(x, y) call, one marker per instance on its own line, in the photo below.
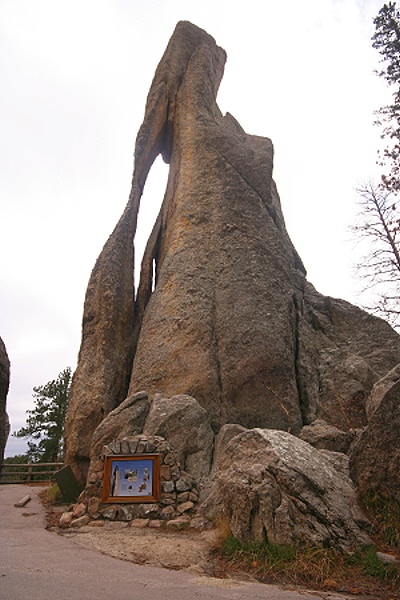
point(275, 487)
point(180, 420)
point(375, 458)
point(225, 434)
point(186, 425)
point(223, 311)
point(4, 385)
point(124, 421)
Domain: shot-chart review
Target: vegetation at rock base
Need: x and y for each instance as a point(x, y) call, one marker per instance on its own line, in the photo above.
point(361, 572)
point(45, 423)
point(51, 496)
point(384, 514)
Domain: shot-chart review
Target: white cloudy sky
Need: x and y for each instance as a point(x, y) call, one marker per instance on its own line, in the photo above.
point(74, 78)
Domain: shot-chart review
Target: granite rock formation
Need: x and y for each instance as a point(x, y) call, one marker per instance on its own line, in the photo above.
point(4, 385)
point(229, 317)
point(375, 458)
point(275, 487)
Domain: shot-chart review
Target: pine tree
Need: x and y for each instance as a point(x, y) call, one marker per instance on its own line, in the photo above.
point(387, 41)
point(45, 423)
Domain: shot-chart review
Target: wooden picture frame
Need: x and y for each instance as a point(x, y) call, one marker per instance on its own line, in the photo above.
point(134, 478)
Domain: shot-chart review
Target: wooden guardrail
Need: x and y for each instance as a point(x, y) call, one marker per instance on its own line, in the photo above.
point(28, 472)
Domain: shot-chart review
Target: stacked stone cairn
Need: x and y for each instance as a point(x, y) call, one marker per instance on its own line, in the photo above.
point(178, 492)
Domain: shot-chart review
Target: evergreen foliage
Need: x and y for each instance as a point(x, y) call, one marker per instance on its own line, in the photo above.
point(387, 41)
point(45, 423)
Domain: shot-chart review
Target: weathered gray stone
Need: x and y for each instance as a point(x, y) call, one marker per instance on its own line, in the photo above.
point(387, 558)
point(342, 352)
point(4, 385)
point(133, 446)
point(183, 497)
point(93, 506)
point(168, 498)
point(169, 460)
point(79, 510)
point(168, 512)
point(168, 486)
point(225, 434)
point(65, 519)
point(140, 523)
point(179, 522)
point(80, 521)
point(275, 486)
point(125, 421)
point(125, 449)
point(381, 387)
point(165, 473)
point(340, 461)
point(141, 447)
point(200, 523)
point(109, 513)
point(185, 507)
point(184, 483)
point(321, 435)
point(186, 426)
point(375, 458)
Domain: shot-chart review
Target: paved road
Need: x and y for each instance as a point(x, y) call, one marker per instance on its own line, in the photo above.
point(38, 565)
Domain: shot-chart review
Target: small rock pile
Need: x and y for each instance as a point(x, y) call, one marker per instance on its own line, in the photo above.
point(178, 491)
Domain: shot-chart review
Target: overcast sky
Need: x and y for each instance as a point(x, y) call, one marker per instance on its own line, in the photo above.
point(74, 77)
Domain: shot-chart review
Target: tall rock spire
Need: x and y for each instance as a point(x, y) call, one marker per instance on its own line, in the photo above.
point(229, 316)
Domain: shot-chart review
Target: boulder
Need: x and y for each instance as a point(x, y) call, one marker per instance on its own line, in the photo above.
point(375, 458)
point(124, 421)
point(276, 487)
point(342, 352)
point(185, 424)
point(321, 435)
point(225, 434)
point(4, 385)
point(380, 388)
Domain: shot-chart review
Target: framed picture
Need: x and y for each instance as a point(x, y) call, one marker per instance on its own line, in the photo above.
point(131, 478)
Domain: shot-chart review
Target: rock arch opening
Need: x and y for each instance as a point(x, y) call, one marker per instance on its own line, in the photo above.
point(150, 204)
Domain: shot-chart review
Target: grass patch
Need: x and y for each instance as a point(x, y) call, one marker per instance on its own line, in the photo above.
point(321, 568)
point(51, 495)
point(384, 514)
point(372, 566)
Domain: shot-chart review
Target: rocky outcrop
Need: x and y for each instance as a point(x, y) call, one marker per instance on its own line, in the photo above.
point(381, 387)
point(323, 436)
point(375, 458)
point(275, 487)
point(126, 420)
point(4, 385)
point(185, 424)
point(229, 317)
